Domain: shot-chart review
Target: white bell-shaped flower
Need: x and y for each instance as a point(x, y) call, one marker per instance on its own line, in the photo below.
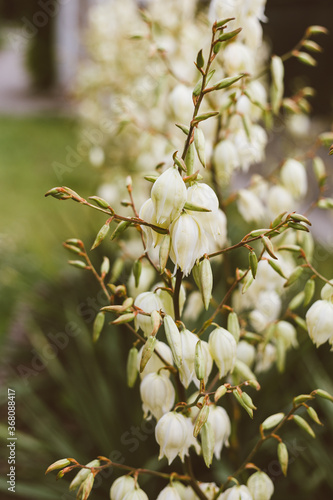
point(249, 206)
point(222, 345)
point(189, 341)
point(148, 302)
point(226, 159)
point(261, 486)
point(170, 492)
point(319, 320)
point(155, 363)
point(293, 177)
point(168, 195)
point(188, 242)
point(209, 489)
point(121, 486)
point(236, 493)
point(279, 200)
point(287, 333)
point(326, 292)
point(157, 394)
point(238, 59)
point(202, 195)
point(266, 356)
point(148, 214)
point(246, 352)
point(181, 103)
point(172, 434)
point(221, 425)
point(137, 494)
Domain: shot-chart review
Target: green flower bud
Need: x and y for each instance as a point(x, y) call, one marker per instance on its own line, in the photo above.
point(282, 452)
point(272, 421)
point(98, 325)
point(173, 337)
point(132, 366)
point(147, 352)
point(207, 443)
point(303, 425)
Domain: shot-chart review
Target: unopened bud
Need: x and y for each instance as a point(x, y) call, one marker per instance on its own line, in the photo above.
point(164, 252)
point(206, 282)
point(137, 268)
point(132, 366)
point(82, 475)
point(122, 226)
point(303, 425)
point(156, 321)
point(276, 268)
point(268, 246)
point(124, 318)
point(174, 340)
point(78, 263)
point(233, 325)
point(99, 201)
point(272, 421)
point(105, 267)
point(319, 169)
point(313, 415)
point(86, 487)
point(201, 419)
point(59, 464)
point(305, 58)
point(220, 392)
point(240, 400)
point(324, 394)
point(207, 443)
point(294, 276)
point(199, 142)
point(253, 261)
point(199, 361)
point(147, 352)
point(98, 325)
point(260, 485)
point(309, 291)
point(282, 452)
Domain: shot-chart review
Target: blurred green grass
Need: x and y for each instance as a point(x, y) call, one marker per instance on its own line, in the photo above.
point(32, 227)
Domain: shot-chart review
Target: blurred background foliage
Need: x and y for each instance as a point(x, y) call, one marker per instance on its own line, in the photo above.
point(75, 403)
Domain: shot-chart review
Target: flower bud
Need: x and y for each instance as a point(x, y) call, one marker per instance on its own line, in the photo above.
point(222, 347)
point(82, 475)
point(282, 452)
point(260, 486)
point(174, 340)
point(132, 366)
point(233, 325)
point(172, 434)
point(205, 279)
point(287, 332)
point(157, 394)
point(226, 159)
point(154, 363)
point(148, 302)
point(147, 352)
point(319, 320)
point(199, 361)
point(207, 443)
point(200, 146)
point(201, 419)
point(293, 177)
point(272, 421)
point(303, 425)
point(169, 493)
point(277, 88)
point(168, 195)
point(86, 487)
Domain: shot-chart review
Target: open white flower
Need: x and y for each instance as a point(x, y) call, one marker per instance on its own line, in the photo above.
point(319, 320)
point(148, 302)
point(222, 347)
point(169, 493)
point(221, 425)
point(173, 436)
point(157, 394)
point(188, 242)
point(168, 195)
point(249, 206)
point(293, 176)
point(261, 486)
point(236, 493)
point(121, 486)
